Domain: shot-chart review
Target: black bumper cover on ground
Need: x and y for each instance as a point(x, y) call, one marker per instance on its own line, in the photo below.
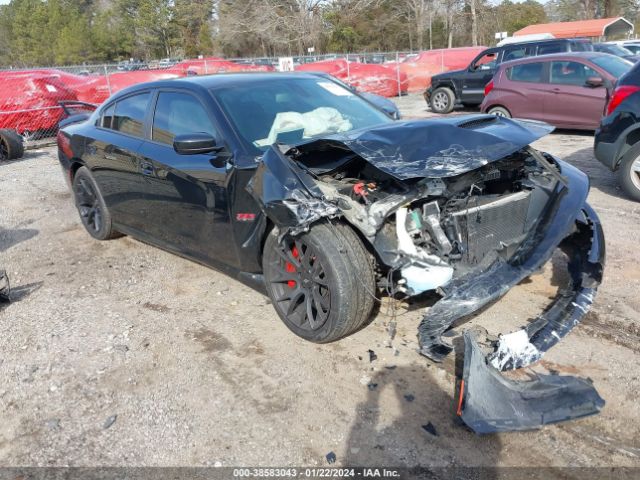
point(492, 403)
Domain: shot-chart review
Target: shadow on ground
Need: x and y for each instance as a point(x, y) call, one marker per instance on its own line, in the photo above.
point(11, 237)
point(408, 420)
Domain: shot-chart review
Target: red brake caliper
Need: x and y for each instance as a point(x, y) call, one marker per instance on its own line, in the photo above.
point(289, 267)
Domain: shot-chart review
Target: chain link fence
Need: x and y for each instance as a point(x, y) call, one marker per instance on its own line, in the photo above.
point(33, 101)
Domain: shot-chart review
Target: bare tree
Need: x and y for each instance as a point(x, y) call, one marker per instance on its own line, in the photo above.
point(419, 13)
point(474, 23)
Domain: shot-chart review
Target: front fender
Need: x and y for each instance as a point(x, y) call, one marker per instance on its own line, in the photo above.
point(286, 193)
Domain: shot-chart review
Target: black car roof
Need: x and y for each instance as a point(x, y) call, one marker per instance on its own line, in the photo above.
point(554, 56)
point(205, 82)
point(547, 40)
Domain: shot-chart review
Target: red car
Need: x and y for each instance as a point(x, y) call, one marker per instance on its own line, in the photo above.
point(29, 101)
point(97, 88)
point(421, 67)
point(211, 65)
point(366, 77)
point(567, 90)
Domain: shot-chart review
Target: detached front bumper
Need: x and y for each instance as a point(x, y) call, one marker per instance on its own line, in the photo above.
point(492, 403)
point(569, 222)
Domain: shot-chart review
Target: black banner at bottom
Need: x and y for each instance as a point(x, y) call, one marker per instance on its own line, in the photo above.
point(288, 473)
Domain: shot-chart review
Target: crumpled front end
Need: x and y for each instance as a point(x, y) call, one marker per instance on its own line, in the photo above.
point(463, 207)
point(567, 222)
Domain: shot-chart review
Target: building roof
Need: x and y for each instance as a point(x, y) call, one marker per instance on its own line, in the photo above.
point(582, 28)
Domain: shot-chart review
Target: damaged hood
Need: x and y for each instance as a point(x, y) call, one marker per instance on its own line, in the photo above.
point(436, 148)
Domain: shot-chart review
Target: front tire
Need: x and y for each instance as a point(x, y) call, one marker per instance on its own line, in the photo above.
point(629, 173)
point(442, 100)
point(321, 283)
point(94, 213)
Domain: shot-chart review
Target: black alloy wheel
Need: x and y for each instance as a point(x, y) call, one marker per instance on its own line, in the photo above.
point(300, 285)
point(88, 205)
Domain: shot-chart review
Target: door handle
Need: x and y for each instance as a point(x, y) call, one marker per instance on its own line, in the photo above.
point(556, 90)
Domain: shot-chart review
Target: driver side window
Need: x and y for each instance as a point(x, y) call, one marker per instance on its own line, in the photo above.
point(178, 114)
point(485, 62)
point(571, 73)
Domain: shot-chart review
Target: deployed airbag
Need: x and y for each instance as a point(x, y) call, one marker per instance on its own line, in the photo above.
point(321, 121)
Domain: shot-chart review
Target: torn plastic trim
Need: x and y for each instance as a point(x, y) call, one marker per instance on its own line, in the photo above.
point(468, 294)
point(287, 194)
point(435, 148)
point(5, 287)
point(491, 403)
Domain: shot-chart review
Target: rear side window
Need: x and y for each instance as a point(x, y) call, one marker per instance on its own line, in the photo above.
point(107, 116)
point(581, 47)
point(616, 66)
point(551, 47)
point(571, 73)
point(527, 72)
point(130, 113)
point(635, 49)
point(177, 114)
point(515, 53)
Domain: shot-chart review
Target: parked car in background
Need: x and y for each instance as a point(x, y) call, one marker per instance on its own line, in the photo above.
point(632, 45)
point(366, 77)
point(565, 90)
point(617, 140)
point(212, 65)
point(466, 87)
point(29, 100)
point(617, 50)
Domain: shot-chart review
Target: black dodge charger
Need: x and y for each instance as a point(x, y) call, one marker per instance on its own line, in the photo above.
point(303, 189)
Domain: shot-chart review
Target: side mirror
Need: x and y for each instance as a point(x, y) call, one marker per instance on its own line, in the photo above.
point(194, 143)
point(594, 82)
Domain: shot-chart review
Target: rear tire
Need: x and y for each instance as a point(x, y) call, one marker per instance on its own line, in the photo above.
point(94, 213)
point(442, 100)
point(629, 173)
point(499, 112)
point(321, 282)
point(11, 147)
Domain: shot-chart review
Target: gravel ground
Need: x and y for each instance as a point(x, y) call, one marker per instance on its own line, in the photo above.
point(117, 353)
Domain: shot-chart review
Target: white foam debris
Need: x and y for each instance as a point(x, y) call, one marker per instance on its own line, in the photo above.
point(515, 350)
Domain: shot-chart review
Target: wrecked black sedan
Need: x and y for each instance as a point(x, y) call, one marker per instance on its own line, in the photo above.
point(301, 188)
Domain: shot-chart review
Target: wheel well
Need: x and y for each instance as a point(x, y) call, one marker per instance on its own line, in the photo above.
point(75, 165)
point(267, 231)
point(367, 244)
point(450, 85)
point(494, 105)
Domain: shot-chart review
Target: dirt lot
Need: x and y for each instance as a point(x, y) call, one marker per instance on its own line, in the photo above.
point(117, 353)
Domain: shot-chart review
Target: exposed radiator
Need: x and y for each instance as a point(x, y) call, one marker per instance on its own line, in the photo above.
point(493, 225)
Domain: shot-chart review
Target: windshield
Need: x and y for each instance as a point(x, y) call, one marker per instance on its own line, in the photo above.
point(616, 66)
point(292, 110)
